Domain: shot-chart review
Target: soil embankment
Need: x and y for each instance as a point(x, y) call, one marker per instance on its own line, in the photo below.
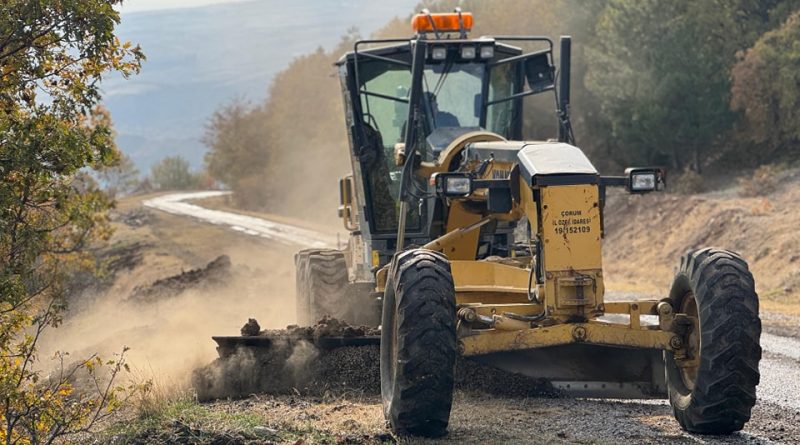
point(647, 235)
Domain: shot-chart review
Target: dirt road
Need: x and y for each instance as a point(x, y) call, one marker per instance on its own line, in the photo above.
point(481, 417)
point(272, 230)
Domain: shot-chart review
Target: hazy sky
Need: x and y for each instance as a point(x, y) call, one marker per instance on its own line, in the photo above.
point(149, 5)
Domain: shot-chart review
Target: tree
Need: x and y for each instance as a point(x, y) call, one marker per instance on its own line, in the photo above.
point(120, 178)
point(172, 173)
point(766, 90)
point(299, 128)
point(238, 141)
point(53, 54)
point(661, 70)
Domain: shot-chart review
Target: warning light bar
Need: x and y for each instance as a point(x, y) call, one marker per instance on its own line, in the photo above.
point(442, 22)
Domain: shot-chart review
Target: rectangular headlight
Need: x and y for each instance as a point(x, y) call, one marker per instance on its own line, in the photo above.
point(457, 185)
point(452, 184)
point(468, 52)
point(487, 51)
point(643, 182)
point(438, 52)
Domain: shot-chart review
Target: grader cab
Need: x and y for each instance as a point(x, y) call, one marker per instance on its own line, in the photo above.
point(468, 239)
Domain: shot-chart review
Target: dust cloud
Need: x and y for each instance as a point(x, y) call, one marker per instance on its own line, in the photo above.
point(168, 324)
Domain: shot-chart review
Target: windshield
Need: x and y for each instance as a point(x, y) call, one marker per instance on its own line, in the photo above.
point(451, 105)
point(451, 92)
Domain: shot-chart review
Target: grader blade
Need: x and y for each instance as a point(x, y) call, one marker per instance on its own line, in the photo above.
point(583, 370)
point(229, 345)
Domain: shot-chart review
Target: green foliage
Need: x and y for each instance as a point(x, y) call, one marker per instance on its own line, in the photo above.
point(172, 173)
point(661, 70)
point(53, 54)
point(60, 48)
point(766, 90)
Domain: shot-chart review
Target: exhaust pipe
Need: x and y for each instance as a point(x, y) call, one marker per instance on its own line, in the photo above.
point(565, 71)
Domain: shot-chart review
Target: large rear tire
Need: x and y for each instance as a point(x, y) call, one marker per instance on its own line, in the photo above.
point(715, 394)
point(321, 286)
point(418, 344)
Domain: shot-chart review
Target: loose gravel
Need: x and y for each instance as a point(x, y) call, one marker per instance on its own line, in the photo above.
point(295, 364)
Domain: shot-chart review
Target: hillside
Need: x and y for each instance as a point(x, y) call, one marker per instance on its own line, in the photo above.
point(201, 58)
point(646, 235)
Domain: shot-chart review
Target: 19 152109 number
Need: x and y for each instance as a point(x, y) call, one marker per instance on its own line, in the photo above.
point(561, 230)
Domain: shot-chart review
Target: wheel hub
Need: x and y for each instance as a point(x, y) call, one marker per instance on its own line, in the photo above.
point(689, 365)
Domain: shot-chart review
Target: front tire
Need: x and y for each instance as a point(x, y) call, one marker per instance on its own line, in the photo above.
point(418, 344)
point(713, 389)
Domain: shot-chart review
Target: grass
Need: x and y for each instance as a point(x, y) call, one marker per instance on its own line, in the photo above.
point(778, 301)
point(188, 412)
point(162, 403)
point(164, 406)
point(764, 180)
point(217, 418)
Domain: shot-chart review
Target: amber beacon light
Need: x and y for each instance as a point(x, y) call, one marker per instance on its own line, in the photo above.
point(442, 22)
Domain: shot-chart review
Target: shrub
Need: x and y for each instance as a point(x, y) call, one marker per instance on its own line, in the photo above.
point(763, 182)
point(688, 183)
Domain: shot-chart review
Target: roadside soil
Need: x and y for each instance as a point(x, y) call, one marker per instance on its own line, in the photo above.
point(657, 229)
point(476, 418)
point(173, 336)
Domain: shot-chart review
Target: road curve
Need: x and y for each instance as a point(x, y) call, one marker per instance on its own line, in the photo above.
point(778, 392)
point(175, 203)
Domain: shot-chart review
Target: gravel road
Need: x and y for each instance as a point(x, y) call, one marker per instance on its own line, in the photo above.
point(175, 203)
point(481, 417)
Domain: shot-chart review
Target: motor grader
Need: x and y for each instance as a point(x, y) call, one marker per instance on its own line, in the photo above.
point(466, 238)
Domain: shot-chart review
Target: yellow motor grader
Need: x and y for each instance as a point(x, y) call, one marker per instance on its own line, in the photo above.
point(468, 239)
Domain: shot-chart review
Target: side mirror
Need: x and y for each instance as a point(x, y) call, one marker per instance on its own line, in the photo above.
point(645, 180)
point(539, 73)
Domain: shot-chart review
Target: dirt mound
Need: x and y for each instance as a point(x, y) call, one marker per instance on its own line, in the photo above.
point(251, 328)
point(136, 217)
point(123, 257)
point(326, 327)
point(479, 377)
point(290, 368)
point(110, 262)
point(294, 362)
point(216, 273)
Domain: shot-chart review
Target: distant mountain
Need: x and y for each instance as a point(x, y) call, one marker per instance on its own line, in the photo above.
point(200, 58)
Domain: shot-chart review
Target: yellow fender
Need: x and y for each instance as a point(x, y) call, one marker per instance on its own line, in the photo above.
point(426, 169)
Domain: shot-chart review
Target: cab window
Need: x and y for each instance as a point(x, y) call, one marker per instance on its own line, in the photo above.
point(384, 123)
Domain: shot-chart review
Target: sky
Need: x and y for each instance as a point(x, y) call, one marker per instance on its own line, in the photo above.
point(151, 5)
